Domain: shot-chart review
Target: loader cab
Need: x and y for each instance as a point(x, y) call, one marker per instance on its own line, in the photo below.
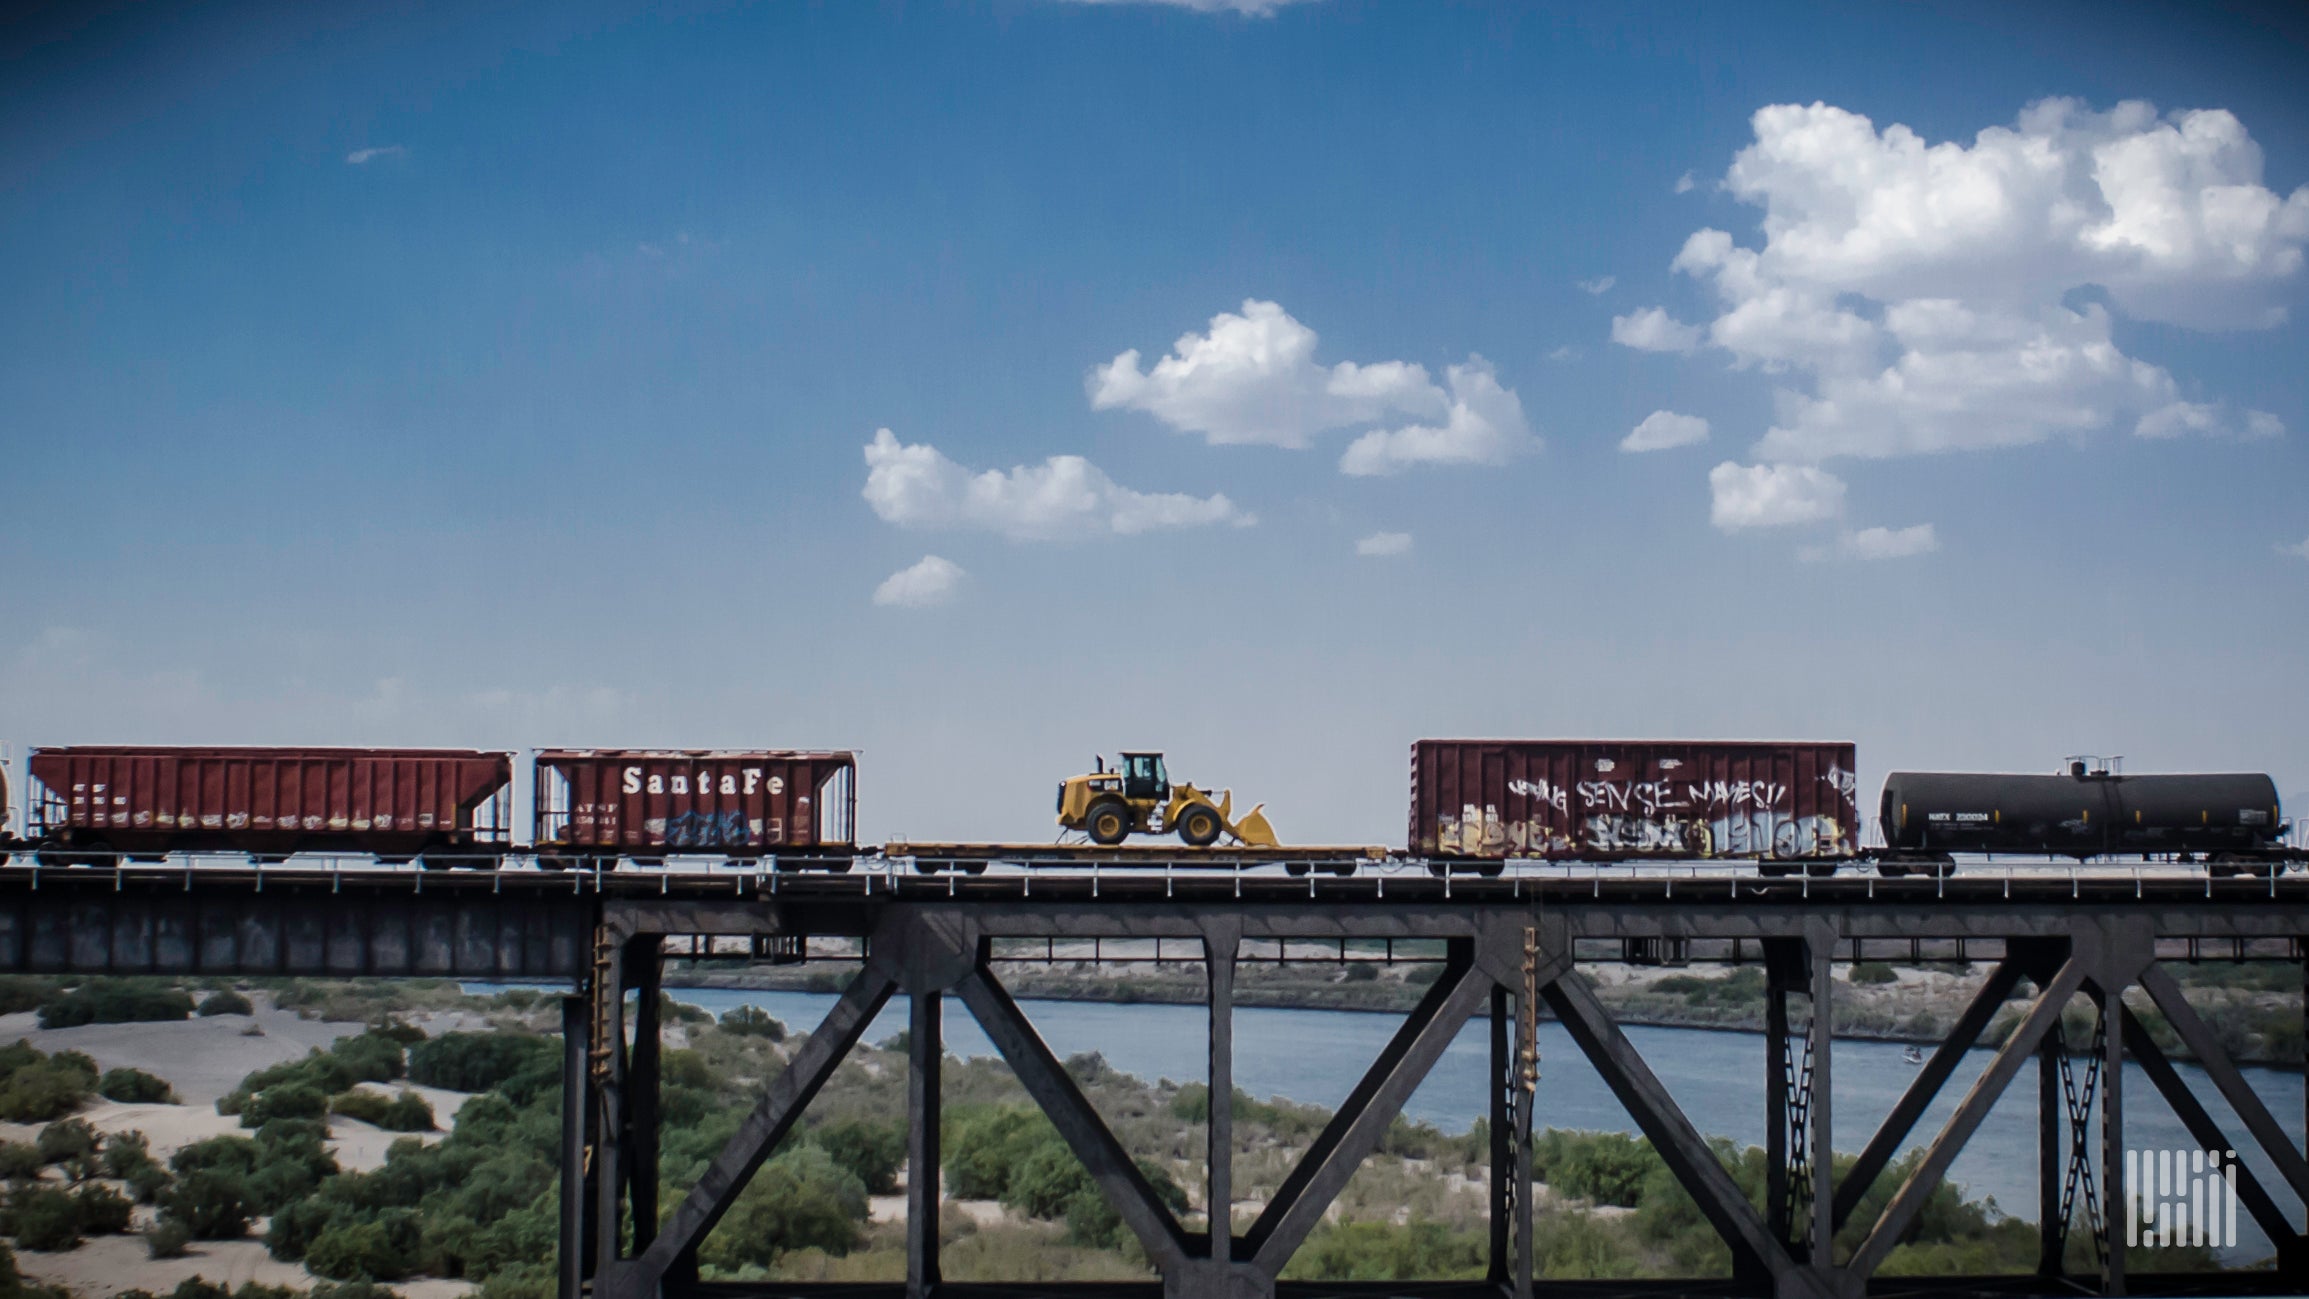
point(1143, 777)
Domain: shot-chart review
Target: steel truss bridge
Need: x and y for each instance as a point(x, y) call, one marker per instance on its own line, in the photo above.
point(1507, 948)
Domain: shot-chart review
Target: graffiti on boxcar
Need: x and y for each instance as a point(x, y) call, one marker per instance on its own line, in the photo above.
point(1715, 819)
point(695, 829)
point(1554, 796)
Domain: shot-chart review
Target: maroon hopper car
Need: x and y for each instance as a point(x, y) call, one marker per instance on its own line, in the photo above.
point(651, 803)
point(1620, 800)
point(90, 803)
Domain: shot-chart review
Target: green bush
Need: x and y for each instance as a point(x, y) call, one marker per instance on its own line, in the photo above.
point(1873, 972)
point(291, 1100)
point(319, 1070)
point(20, 1161)
point(212, 1203)
point(48, 1090)
point(114, 1001)
point(871, 1152)
point(167, 1239)
point(225, 1001)
point(1386, 1251)
point(64, 1140)
point(46, 1220)
point(149, 1183)
point(983, 1145)
point(19, 992)
point(799, 1200)
point(753, 1021)
point(372, 1056)
point(125, 1152)
point(383, 1248)
point(135, 1087)
point(103, 1211)
point(1600, 1167)
point(476, 1062)
point(407, 1112)
point(352, 1290)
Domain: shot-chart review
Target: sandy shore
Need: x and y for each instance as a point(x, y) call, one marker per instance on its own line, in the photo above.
point(203, 1059)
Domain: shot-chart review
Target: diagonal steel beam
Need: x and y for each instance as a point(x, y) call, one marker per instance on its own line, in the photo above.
point(1046, 1080)
point(772, 1117)
point(1366, 1088)
point(1926, 1087)
point(1909, 1200)
point(1680, 1145)
point(2263, 1126)
point(2207, 1133)
point(1355, 1131)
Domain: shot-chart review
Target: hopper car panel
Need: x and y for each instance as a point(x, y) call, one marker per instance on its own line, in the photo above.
point(653, 803)
point(266, 802)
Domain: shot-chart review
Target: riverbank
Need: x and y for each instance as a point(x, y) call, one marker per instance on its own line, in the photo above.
point(2251, 1010)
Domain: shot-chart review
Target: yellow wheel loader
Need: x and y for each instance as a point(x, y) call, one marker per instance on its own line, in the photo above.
point(1137, 796)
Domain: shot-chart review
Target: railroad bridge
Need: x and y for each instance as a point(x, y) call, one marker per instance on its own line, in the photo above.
point(1506, 950)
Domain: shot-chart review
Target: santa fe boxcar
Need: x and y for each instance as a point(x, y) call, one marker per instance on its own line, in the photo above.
point(1619, 800)
point(647, 804)
point(91, 804)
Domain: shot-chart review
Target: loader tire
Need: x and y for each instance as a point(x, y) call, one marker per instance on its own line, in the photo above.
point(1108, 822)
point(1199, 826)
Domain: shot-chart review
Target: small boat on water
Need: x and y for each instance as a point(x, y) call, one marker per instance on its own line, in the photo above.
point(1913, 1055)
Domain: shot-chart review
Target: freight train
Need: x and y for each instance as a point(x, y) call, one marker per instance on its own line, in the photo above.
point(1476, 805)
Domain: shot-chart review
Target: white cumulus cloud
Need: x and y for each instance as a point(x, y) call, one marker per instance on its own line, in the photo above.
point(1600, 285)
point(1684, 183)
point(1878, 543)
point(1652, 329)
point(1663, 429)
point(932, 580)
point(1772, 496)
point(360, 156)
point(1384, 543)
point(2301, 550)
point(2210, 419)
point(1252, 378)
point(1063, 497)
point(1916, 297)
point(1484, 425)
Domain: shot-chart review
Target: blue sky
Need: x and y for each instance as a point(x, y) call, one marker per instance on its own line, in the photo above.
point(446, 376)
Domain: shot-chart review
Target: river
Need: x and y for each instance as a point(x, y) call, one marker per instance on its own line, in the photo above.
point(1316, 1056)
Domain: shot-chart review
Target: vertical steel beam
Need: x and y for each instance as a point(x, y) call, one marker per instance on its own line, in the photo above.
point(1822, 1139)
point(607, 1063)
point(926, 1052)
point(575, 1248)
point(2051, 1119)
point(1526, 1099)
point(1776, 1106)
point(1502, 1124)
point(1219, 951)
point(2115, 1208)
point(645, 964)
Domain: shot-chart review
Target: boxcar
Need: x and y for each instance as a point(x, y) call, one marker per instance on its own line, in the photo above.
point(647, 804)
point(90, 804)
point(1632, 800)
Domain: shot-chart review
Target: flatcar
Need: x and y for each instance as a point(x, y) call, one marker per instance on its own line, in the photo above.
point(1785, 806)
point(2231, 821)
point(597, 806)
point(90, 805)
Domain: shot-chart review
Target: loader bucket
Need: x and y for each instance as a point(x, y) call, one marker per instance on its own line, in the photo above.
point(1253, 831)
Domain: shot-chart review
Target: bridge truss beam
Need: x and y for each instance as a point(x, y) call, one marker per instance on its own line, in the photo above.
point(927, 950)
